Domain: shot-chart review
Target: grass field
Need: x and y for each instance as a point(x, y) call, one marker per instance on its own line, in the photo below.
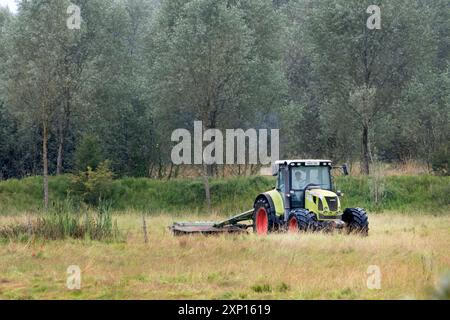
point(412, 252)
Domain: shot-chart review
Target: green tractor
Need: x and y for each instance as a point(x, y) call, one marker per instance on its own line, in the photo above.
point(302, 201)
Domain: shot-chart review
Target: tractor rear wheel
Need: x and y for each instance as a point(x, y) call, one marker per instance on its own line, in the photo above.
point(263, 219)
point(302, 220)
point(356, 221)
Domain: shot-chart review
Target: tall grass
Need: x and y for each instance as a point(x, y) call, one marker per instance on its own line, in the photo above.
point(63, 221)
point(401, 193)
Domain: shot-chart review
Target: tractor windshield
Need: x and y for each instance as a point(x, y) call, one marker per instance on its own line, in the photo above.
point(302, 176)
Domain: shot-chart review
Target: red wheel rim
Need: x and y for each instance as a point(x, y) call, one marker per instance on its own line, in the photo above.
point(262, 221)
point(293, 225)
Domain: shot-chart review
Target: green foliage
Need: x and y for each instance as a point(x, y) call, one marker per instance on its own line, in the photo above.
point(402, 193)
point(93, 186)
point(218, 62)
point(137, 69)
point(408, 194)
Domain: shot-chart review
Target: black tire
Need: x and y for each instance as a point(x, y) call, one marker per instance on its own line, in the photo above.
point(304, 219)
point(263, 205)
point(356, 221)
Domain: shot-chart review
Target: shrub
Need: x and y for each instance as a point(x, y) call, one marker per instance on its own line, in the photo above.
point(94, 186)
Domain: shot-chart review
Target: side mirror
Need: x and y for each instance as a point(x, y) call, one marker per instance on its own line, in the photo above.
point(345, 169)
point(339, 193)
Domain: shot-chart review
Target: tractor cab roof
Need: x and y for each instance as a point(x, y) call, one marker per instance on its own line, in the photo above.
point(299, 162)
point(311, 162)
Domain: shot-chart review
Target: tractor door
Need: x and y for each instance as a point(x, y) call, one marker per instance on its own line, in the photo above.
point(281, 185)
point(299, 179)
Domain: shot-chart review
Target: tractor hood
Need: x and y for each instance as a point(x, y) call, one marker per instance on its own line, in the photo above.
point(323, 202)
point(320, 193)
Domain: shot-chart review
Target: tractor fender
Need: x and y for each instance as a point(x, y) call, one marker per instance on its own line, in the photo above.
point(275, 201)
point(274, 221)
point(268, 199)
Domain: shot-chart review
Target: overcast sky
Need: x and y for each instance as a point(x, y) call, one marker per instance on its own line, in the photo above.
point(9, 3)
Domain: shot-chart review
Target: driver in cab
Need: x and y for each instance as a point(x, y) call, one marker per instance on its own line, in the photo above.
point(299, 181)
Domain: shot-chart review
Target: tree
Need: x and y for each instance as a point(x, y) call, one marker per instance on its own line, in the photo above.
point(121, 114)
point(34, 86)
point(352, 61)
point(214, 63)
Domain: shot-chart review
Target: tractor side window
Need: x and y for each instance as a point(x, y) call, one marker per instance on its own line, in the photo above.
point(280, 181)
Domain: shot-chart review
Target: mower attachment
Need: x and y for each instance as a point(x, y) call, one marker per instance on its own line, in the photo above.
point(230, 225)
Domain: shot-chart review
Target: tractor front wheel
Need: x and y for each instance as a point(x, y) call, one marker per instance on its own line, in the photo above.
point(292, 226)
point(302, 220)
point(356, 221)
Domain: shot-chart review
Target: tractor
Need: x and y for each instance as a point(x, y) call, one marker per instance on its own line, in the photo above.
point(303, 200)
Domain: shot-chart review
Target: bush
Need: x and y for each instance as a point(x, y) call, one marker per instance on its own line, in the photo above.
point(94, 186)
point(440, 161)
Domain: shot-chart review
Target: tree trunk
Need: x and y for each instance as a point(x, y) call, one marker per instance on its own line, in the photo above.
point(63, 126)
point(160, 169)
point(177, 171)
point(150, 171)
point(170, 171)
point(45, 163)
point(60, 150)
point(206, 185)
point(365, 161)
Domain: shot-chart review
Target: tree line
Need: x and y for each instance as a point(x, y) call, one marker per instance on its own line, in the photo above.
point(136, 70)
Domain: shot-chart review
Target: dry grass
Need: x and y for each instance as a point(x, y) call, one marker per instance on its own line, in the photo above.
point(411, 251)
point(407, 168)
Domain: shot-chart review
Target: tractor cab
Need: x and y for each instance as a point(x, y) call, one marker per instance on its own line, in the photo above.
point(307, 184)
point(294, 178)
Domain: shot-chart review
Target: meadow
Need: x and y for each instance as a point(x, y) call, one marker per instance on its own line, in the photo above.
point(410, 251)
point(409, 241)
